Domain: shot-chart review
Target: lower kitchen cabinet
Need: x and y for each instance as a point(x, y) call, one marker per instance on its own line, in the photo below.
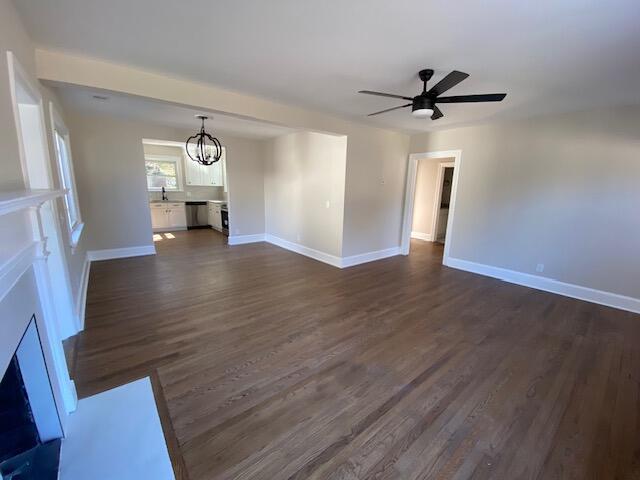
point(168, 216)
point(215, 216)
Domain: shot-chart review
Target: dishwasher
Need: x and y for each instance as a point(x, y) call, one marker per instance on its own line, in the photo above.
point(197, 215)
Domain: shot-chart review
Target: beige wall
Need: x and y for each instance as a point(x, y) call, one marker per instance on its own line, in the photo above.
point(374, 191)
point(560, 190)
point(304, 190)
point(376, 157)
point(425, 197)
point(245, 176)
point(109, 163)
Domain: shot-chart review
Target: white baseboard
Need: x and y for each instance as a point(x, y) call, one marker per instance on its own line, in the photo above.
point(111, 253)
point(369, 257)
point(333, 260)
point(302, 250)
point(81, 301)
point(242, 239)
point(549, 285)
point(427, 237)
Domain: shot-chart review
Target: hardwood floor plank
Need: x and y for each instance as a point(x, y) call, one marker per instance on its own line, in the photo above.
point(267, 364)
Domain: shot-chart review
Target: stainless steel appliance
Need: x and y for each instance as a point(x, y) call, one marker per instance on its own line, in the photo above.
point(224, 213)
point(197, 215)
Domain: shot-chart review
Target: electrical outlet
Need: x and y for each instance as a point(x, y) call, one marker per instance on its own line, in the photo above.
point(540, 268)
point(327, 204)
point(188, 194)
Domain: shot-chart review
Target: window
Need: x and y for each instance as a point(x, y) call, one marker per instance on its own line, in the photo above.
point(67, 180)
point(162, 171)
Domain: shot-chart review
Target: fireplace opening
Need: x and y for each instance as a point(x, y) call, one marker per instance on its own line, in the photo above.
point(29, 425)
point(18, 433)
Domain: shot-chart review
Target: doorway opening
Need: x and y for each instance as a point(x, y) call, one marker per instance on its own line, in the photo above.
point(184, 195)
point(430, 199)
point(443, 201)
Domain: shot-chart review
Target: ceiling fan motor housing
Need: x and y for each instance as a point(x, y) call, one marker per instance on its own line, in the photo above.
point(422, 102)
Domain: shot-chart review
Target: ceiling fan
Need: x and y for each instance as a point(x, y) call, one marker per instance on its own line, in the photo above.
point(424, 105)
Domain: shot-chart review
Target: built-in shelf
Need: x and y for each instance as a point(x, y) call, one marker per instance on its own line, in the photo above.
point(21, 199)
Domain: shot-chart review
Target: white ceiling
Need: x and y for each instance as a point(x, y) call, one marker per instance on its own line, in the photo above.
point(547, 55)
point(141, 109)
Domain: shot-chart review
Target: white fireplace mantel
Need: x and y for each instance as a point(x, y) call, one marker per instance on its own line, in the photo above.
point(21, 199)
point(23, 240)
point(23, 253)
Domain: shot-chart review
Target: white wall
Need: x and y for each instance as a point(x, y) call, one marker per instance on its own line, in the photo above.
point(109, 163)
point(304, 190)
point(559, 190)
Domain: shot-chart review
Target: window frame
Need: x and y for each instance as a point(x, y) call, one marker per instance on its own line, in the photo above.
point(75, 226)
point(166, 158)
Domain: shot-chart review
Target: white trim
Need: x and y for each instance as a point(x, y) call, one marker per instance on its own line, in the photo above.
point(111, 253)
point(60, 127)
point(410, 192)
point(56, 302)
point(242, 239)
point(549, 285)
point(17, 73)
point(425, 237)
point(74, 236)
point(14, 268)
point(302, 250)
point(333, 260)
point(353, 260)
point(180, 177)
point(22, 199)
point(81, 301)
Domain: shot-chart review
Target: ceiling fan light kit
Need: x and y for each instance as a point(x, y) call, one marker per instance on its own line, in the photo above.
point(424, 104)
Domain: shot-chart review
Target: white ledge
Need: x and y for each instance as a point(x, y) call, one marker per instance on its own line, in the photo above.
point(21, 199)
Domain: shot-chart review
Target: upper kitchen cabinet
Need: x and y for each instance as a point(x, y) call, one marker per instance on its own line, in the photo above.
point(207, 175)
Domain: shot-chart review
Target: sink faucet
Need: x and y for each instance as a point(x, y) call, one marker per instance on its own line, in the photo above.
point(164, 195)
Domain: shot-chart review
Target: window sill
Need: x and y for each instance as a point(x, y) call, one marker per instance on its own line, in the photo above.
point(75, 236)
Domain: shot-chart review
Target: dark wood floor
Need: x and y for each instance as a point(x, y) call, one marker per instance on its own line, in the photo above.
point(275, 366)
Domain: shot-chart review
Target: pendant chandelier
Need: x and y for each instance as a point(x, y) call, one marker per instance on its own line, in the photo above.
point(202, 147)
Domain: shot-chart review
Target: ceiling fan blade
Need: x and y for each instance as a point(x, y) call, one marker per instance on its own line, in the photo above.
point(448, 82)
point(380, 94)
point(390, 109)
point(437, 113)
point(489, 97)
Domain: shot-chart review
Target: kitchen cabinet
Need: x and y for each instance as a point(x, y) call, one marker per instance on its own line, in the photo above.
point(159, 218)
point(168, 216)
point(206, 175)
point(215, 216)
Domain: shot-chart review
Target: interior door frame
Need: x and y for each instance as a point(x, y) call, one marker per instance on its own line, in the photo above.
point(438, 198)
point(410, 193)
